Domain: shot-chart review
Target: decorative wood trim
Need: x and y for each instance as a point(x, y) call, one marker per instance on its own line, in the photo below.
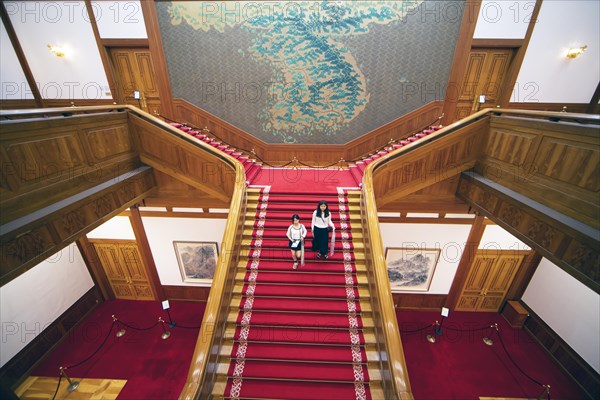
point(94, 266)
point(400, 128)
point(551, 235)
point(14, 40)
point(555, 107)
point(31, 239)
point(497, 43)
point(570, 362)
point(517, 61)
point(460, 60)
point(159, 61)
point(16, 370)
point(125, 42)
point(189, 293)
point(464, 265)
point(524, 275)
point(419, 301)
point(101, 49)
point(176, 214)
point(145, 252)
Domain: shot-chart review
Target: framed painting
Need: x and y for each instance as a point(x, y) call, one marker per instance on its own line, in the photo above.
point(411, 269)
point(197, 260)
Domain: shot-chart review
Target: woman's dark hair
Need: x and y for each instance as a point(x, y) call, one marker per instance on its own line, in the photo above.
point(319, 209)
point(295, 216)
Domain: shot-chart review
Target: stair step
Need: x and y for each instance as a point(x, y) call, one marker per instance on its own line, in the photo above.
point(306, 292)
point(290, 305)
point(318, 320)
point(280, 233)
point(299, 335)
point(300, 277)
point(297, 199)
point(307, 207)
point(311, 265)
point(258, 389)
point(269, 243)
point(305, 216)
point(309, 255)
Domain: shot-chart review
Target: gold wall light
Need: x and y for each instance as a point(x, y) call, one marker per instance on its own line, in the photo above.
point(576, 52)
point(58, 51)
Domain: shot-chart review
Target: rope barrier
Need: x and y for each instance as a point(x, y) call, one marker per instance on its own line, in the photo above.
point(417, 330)
point(57, 386)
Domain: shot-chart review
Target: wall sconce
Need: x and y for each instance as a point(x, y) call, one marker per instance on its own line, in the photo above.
point(576, 52)
point(58, 51)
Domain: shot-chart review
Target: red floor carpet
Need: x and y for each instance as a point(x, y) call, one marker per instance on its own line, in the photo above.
point(154, 368)
point(460, 366)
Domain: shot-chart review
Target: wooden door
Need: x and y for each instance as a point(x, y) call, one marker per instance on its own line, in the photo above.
point(124, 268)
point(489, 279)
point(134, 73)
point(486, 70)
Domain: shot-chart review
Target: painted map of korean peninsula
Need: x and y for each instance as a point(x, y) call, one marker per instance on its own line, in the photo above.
point(318, 84)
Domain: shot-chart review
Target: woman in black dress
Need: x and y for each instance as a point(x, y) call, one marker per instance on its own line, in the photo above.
point(320, 227)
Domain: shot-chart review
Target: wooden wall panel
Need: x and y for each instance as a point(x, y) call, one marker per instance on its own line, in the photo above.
point(189, 160)
point(194, 293)
point(423, 302)
point(571, 363)
point(576, 251)
point(433, 162)
point(556, 164)
point(46, 161)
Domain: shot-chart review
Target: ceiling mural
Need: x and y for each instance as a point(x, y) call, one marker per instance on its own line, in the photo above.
point(309, 72)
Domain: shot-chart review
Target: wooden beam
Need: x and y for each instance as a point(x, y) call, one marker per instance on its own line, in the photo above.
point(146, 253)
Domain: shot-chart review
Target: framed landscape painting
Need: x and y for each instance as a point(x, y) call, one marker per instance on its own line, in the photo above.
point(197, 260)
point(411, 269)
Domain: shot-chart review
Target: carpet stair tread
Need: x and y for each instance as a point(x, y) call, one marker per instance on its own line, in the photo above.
point(280, 234)
point(284, 255)
point(254, 197)
point(303, 305)
point(284, 222)
point(304, 207)
point(319, 320)
point(298, 352)
point(258, 389)
point(299, 335)
point(299, 277)
point(310, 265)
point(305, 291)
point(302, 370)
point(305, 216)
point(269, 243)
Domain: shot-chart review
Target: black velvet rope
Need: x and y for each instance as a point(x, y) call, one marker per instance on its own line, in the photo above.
point(97, 350)
point(517, 366)
point(139, 329)
point(469, 330)
point(417, 330)
point(57, 386)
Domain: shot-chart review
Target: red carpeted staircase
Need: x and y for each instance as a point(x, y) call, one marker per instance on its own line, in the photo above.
point(305, 333)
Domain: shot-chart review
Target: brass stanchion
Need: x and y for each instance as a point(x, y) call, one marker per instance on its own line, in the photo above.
point(488, 340)
point(121, 331)
point(166, 334)
point(72, 384)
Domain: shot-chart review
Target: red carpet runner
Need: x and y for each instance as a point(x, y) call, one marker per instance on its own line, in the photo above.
point(299, 333)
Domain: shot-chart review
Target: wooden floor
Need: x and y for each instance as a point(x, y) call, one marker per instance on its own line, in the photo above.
point(37, 387)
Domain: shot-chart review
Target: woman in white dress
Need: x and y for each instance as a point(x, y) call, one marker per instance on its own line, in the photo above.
point(296, 234)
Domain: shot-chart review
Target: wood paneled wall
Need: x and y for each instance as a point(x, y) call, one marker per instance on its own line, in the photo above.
point(314, 154)
point(189, 160)
point(556, 164)
point(567, 358)
point(429, 161)
point(569, 248)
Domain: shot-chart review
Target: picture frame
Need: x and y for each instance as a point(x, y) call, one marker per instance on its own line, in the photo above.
point(411, 269)
point(197, 260)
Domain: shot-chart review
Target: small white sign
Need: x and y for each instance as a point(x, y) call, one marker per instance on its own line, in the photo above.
point(165, 305)
point(136, 94)
point(445, 311)
point(482, 98)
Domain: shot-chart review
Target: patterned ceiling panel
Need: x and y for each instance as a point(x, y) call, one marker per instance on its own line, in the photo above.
point(309, 72)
